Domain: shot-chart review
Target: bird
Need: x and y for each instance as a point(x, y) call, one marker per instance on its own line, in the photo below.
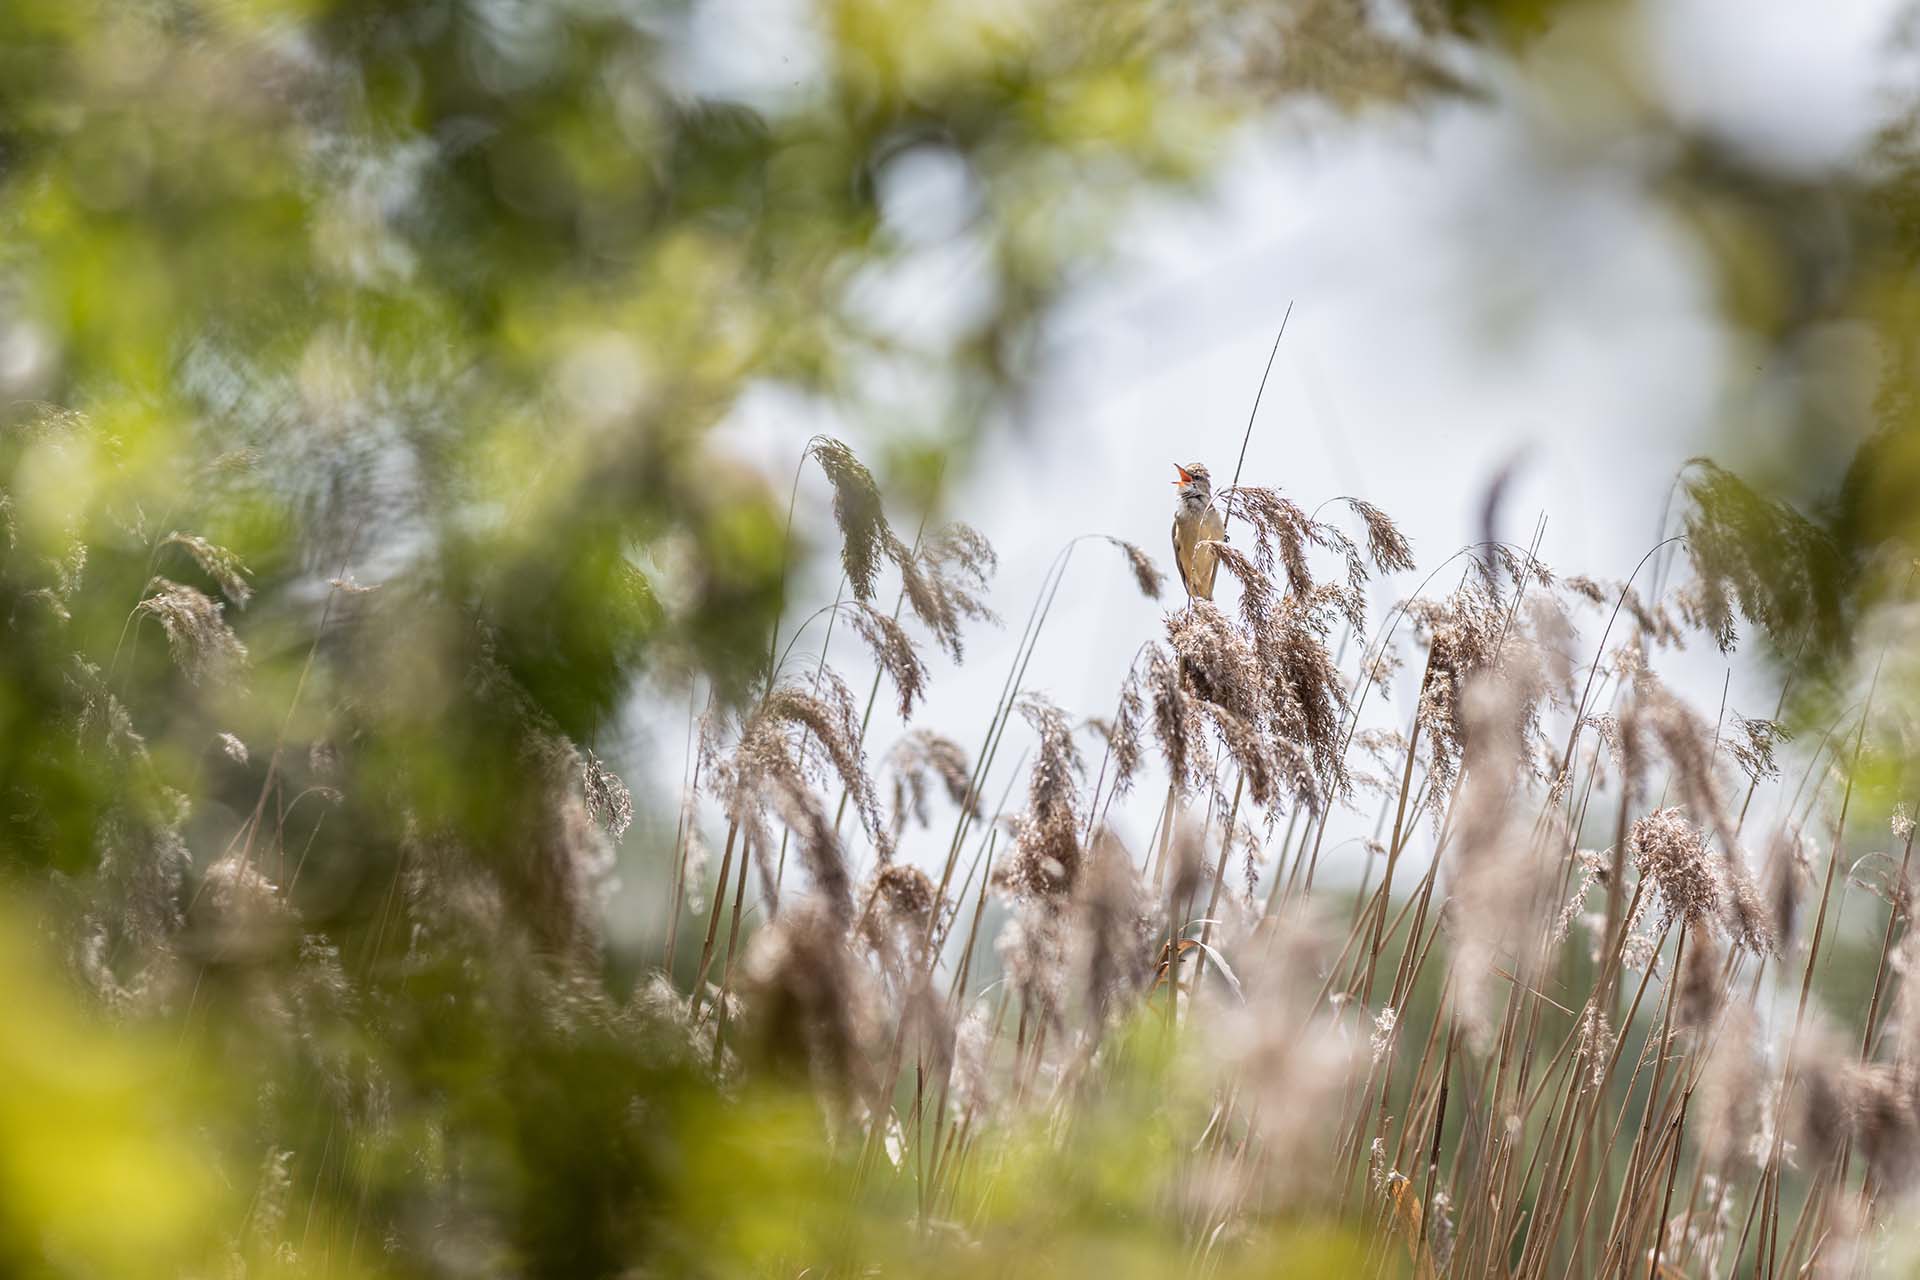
point(1195, 521)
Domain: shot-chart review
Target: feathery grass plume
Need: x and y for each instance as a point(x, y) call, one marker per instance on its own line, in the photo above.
point(1594, 869)
point(1253, 853)
point(218, 563)
point(1847, 1245)
point(831, 723)
point(1388, 547)
point(1385, 1032)
point(67, 571)
point(1047, 855)
point(1117, 932)
point(657, 1007)
point(709, 751)
point(266, 1235)
point(1524, 668)
point(1462, 634)
point(1700, 992)
point(136, 906)
point(607, 797)
point(1335, 540)
point(1186, 870)
point(1503, 899)
point(1606, 727)
point(1177, 726)
point(1591, 590)
point(972, 1075)
point(1632, 745)
point(757, 843)
point(319, 1001)
point(1595, 1043)
point(1256, 589)
point(1250, 751)
point(1386, 747)
point(1703, 608)
point(920, 757)
point(1294, 1062)
point(101, 719)
point(1653, 621)
point(1730, 1098)
point(800, 809)
point(1825, 1100)
point(1298, 695)
point(864, 533)
point(1640, 950)
point(203, 645)
point(1123, 734)
point(1698, 1233)
point(451, 900)
point(1440, 1230)
point(768, 772)
point(893, 650)
point(1032, 950)
point(236, 916)
point(564, 870)
point(1554, 634)
point(1307, 695)
point(1289, 704)
point(1758, 555)
point(1216, 660)
point(1282, 531)
point(1789, 868)
point(1884, 1122)
point(810, 1011)
point(1688, 744)
point(946, 582)
point(1491, 746)
point(898, 914)
point(1671, 852)
point(323, 758)
point(1753, 749)
point(1146, 574)
point(1495, 563)
point(964, 553)
point(1380, 785)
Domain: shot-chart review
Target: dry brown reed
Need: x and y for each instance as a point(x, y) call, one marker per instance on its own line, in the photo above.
point(203, 645)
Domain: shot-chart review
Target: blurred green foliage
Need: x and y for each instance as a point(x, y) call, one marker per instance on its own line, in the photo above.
point(101, 1171)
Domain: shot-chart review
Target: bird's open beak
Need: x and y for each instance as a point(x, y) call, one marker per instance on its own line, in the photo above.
point(1185, 475)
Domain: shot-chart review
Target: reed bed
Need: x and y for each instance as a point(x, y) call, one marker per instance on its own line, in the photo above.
point(935, 1015)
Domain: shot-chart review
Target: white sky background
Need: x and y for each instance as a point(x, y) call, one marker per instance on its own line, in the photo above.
point(1468, 285)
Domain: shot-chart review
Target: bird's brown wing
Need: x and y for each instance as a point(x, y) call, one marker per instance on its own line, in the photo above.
point(1205, 563)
